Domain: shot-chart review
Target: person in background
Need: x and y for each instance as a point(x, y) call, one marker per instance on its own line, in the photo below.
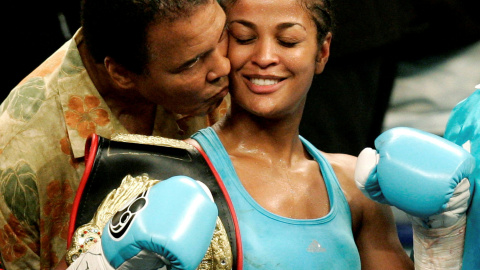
point(463, 129)
point(148, 67)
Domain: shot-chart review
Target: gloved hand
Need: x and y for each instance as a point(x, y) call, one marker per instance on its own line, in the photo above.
point(420, 173)
point(171, 224)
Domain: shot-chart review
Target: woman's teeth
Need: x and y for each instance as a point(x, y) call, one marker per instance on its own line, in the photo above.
point(257, 81)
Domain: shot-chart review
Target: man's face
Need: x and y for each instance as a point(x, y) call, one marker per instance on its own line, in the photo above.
point(188, 67)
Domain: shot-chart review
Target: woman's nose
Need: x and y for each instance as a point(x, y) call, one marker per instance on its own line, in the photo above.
point(265, 54)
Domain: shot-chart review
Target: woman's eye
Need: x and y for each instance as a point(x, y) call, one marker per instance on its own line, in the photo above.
point(288, 43)
point(244, 40)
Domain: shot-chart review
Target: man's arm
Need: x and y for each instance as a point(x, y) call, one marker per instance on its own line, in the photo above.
point(20, 241)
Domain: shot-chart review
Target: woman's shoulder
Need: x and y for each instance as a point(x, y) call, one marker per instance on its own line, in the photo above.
point(343, 166)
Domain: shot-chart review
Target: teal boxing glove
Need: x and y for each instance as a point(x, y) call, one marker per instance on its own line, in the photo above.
point(463, 128)
point(420, 173)
point(171, 224)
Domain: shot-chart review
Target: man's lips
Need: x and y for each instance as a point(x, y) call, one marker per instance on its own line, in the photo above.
point(223, 92)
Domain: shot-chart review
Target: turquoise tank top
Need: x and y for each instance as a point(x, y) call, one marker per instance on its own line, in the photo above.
point(274, 242)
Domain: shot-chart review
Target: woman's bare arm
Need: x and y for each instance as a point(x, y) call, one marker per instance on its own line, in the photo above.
point(373, 223)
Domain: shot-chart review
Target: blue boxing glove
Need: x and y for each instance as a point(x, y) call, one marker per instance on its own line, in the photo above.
point(171, 223)
point(420, 173)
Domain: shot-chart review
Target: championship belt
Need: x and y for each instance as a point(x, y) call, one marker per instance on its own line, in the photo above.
point(117, 169)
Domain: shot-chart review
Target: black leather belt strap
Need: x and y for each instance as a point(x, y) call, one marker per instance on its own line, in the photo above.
point(113, 160)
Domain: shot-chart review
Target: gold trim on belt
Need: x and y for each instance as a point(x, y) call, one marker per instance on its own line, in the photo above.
point(219, 253)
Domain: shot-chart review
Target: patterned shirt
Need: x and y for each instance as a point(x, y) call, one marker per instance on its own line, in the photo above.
point(44, 123)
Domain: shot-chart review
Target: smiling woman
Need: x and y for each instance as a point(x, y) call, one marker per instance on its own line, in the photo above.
point(292, 200)
point(286, 55)
point(297, 207)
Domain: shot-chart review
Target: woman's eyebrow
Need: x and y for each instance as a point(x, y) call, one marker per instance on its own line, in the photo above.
point(286, 25)
point(243, 22)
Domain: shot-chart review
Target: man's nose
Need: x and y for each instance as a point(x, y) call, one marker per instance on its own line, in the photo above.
point(220, 64)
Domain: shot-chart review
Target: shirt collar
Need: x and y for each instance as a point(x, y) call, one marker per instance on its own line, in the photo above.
point(85, 111)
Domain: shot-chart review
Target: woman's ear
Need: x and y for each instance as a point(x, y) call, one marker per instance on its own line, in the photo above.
point(121, 76)
point(323, 54)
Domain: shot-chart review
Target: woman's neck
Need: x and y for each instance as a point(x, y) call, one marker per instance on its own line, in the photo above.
point(244, 135)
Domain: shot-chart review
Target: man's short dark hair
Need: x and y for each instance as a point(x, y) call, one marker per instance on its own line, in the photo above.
point(118, 28)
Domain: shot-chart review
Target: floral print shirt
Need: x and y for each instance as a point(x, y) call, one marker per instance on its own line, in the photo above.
point(44, 123)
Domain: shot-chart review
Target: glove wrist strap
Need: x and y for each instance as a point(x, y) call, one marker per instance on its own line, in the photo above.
point(439, 248)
